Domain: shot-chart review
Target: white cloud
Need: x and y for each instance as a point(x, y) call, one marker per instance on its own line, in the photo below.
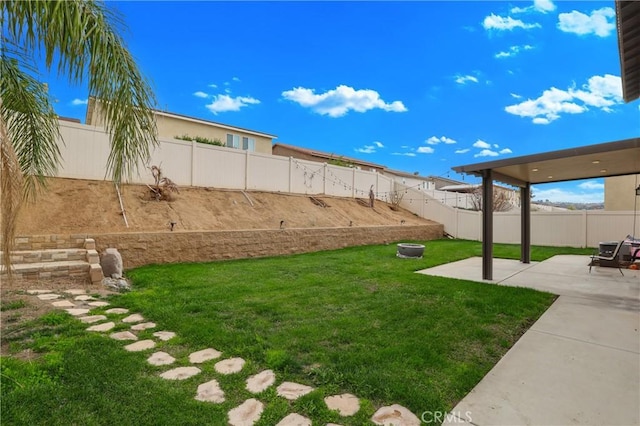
point(567, 196)
point(425, 150)
point(338, 102)
point(434, 140)
point(200, 94)
point(481, 144)
point(513, 51)
point(542, 6)
point(462, 151)
point(370, 149)
point(223, 103)
point(601, 22)
point(591, 184)
point(464, 79)
point(486, 153)
point(506, 151)
point(367, 149)
point(599, 92)
point(513, 95)
point(235, 79)
point(213, 85)
point(77, 102)
point(501, 23)
point(406, 154)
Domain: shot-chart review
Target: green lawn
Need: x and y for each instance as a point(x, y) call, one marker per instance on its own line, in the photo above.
point(357, 320)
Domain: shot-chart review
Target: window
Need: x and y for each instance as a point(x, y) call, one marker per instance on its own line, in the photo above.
point(248, 144)
point(233, 141)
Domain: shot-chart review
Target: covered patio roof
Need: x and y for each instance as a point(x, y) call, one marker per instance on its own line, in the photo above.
point(628, 23)
point(585, 162)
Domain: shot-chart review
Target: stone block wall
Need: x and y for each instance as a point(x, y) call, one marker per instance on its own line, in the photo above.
point(139, 249)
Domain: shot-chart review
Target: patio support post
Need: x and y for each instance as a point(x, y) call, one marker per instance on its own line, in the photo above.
point(487, 224)
point(525, 223)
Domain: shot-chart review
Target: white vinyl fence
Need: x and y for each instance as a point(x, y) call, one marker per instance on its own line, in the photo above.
point(86, 149)
point(584, 228)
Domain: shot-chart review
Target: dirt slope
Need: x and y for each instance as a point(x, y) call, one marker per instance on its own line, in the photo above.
point(81, 206)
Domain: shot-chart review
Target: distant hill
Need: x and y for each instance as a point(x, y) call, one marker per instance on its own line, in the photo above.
point(570, 206)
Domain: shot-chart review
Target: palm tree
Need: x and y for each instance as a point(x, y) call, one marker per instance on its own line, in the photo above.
point(80, 38)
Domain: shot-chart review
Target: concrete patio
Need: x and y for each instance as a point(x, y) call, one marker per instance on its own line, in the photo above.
point(578, 364)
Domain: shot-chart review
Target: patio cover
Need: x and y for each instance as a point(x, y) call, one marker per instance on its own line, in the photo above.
point(591, 161)
point(628, 23)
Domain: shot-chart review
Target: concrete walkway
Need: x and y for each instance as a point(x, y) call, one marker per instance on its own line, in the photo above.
point(578, 364)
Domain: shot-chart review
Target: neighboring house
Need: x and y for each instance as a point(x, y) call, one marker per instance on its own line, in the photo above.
point(620, 193)
point(285, 150)
point(172, 126)
point(412, 180)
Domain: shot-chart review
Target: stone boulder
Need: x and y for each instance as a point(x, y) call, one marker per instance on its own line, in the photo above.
point(111, 263)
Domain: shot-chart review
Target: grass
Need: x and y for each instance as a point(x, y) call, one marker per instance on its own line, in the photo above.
point(357, 320)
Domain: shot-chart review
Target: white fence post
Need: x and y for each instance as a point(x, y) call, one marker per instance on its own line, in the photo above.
point(193, 163)
point(290, 174)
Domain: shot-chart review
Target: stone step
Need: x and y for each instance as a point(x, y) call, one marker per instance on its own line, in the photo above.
point(76, 269)
point(47, 255)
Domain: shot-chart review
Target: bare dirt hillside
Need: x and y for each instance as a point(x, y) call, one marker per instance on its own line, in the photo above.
point(80, 206)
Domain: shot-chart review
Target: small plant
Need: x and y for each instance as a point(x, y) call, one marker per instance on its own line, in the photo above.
point(163, 186)
point(184, 138)
point(396, 199)
point(16, 304)
point(200, 139)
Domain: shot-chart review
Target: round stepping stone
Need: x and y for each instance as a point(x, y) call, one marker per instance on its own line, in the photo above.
point(204, 355)
point(261, 381)
point(143, 326)
point(346, 404)
point(117, 311)
point(98, 304)
point(63, 304)
point(293, 391)
point(229, 366)
point(124, 335)
point(102, 327)
point(75, 291)
point(161, 358)
point(180, 373)
point(34, 292)
point(93, 318)
point(142, 345)
point(294, 419)
point(84, 298)
point(164, 335)
point(133, 318)
point(210, 392)
point(76, 312)
point(395, 415)
point(247, 413)
point(48, 296)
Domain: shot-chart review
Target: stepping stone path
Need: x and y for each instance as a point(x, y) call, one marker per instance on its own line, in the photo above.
point(161, 358)
point(247, 413)
point(261, 381)
point(117, 311)
point(93, 318)
point(210, 392)
point(163, 335)
point(204, 355)
point(142, 345)
point(346, 404)
point(294, 419)
point(229, 366)
point(293, 391)
point(180, 373)
point(143, 326)
point(124, 335)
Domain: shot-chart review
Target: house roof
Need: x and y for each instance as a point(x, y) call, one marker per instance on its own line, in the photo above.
point(328, 156)
point(628, 23)
point(590, 161)
point(208, 122)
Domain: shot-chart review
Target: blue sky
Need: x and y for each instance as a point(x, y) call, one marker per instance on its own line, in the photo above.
point(414, 86)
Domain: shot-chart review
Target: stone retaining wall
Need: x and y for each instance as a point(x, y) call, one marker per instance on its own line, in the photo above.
point(139, 249)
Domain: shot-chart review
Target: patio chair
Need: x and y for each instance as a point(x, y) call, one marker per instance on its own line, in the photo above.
point(613, 258)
